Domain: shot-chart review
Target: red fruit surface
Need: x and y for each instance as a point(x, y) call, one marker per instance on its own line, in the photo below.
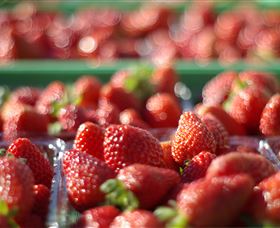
point(32, 221)
point(136, 218)
point(84, 175)
point(196, 168)
point(255, 165)
point(202, 199)
point(140, 179)
point(216, 91)
point(125, 145)
point(26, 95)
point(162, 111)
point(16, 183)
point(41, 200)
point(107, 113)
point(132, 117)
point(270, 118)
point(4, 222)
point(192, 137)
point(118, 79)
point(87, 88)
point(167, 155)
point(98, 217)
point(40, 166)
point(89, 139)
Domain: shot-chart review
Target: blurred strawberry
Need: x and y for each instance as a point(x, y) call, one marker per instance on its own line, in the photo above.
point(41, 200)
point(131, 117)
point(106, 114)
point(26, 95)
point(118, 79)
point(32, 221)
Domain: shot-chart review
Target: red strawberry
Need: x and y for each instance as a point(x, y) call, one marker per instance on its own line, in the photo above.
point(42, 197)
point(164, 80)
point(255, 165)
point(89, 139)
point(32, 221)
point(98, 217)
point(87, 88)
point(162, 111)
point(25, 122)
point(71, 117)
point(216, 91)
point(40, 166)
point(4, 222)
point(137, 218)
point(246, 107)
point(197, 167)
point(125, 145)
point(140, 179)
point(16, 183)
point(131, 117)
point(202, 199)
point(106, 114)
point(119, 97)
point(118, 79)
point(232, 127)
point(167, 155)
point(192, 137)
point(84, 175)
point(270, 121)
point(26, 95)
point(219, 132)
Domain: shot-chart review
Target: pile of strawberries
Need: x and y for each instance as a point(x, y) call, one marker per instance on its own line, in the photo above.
point(140, 96)
point(25, 182)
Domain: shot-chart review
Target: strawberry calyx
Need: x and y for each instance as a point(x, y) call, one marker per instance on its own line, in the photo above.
point(118, 195)
point(3, 152)
point(4, 94)
point(9, 214)
point(171, 216)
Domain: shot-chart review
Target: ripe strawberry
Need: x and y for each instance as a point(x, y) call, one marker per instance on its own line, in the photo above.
point(107, 113)
point(16, 183)
point(98, 217)
point(40, 166)
point(125, 145)
point(232, 127)
point(136, 218)
point(270, 123)
point(54, 92)
point(200, 200)
point(88, 89)
point(84, 175)
point(32, 221)
point(219, 132)
point(140, 179)
point(246, 107)
point(4, 222)
point(89, 139)
point(118, 79)
point(41, 200)
point(196, 168)
point(25, 122)
point(255, 165)
point(167, 155)
point(119, 97)
point(216, 91)
point(11, 108)
point(192, 137)
point(162, 111)
point(71, 117)
point(164, 80)
point(26, 95)
point(131, 117)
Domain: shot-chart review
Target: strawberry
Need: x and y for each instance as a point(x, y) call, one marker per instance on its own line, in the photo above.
point(246, 107)
point(26, 95)
point(41, 200)
point(25, 121)
point(140, 179)
point(255, 165)
point(270, 123)
point(4, 222)
point(118, 79)
point(231, 126)
point(196, 168)
point(87, 88)
point(200, 200)
point(131, 117)
point(89, 139)
point(164, 79)
point(71, 117)
point(162, 111)
point(40, 166)
point(167, 155)
point(216, 91)
point(136, 218)
point(107, 113)
point(32, 221)
point(125, 145)
point(84, 175)
point(220, 134)
point(119, 97)
point(191, 137)
point(101, 216)
point(16, 183)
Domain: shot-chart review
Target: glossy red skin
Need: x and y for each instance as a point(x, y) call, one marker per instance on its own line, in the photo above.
point(132, 117)
point(41, 200)
point(26, 95)
point(167, 155)
point(107, 113)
